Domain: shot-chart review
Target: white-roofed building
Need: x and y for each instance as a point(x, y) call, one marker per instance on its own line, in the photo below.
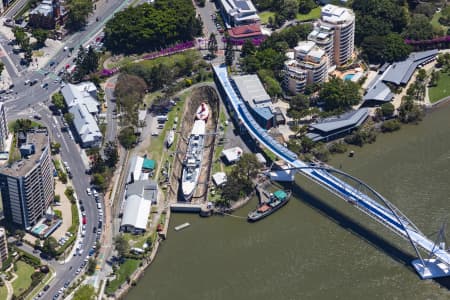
point(232, 155)
point(139, 198)
point(87, 129)
point(84, 93)
point(219, 178)
point(238, 12)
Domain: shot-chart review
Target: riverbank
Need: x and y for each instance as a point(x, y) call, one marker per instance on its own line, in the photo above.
point(317, 235)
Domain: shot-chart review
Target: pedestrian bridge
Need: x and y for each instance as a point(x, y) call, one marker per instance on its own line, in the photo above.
point(377, 207)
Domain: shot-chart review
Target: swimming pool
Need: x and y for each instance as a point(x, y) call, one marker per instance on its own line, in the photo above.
point(349, 76)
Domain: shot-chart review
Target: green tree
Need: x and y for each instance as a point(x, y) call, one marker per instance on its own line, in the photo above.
point(68, 117)
point(248, 48)
point(387, 109)
point(58, 100)
point(339, 94)
point(289, 9)
point(229, 53)
point(420, 28)
point(84, 292)
point(111, 154)
point(56, 147)
point(2, 67)
point(386, 48)
point(41, 36)
point(99, 180)
point(37, 244)
point(19, 234)
point(212, 44)
point(434, 78)
point(305, 6)
point(121, 245)
point(299, 102)
point(127, 138)
point(247, 166)
point(153, 26)
point(19, 35)
point(78, 12)
point(92, 264)
point(50, 245)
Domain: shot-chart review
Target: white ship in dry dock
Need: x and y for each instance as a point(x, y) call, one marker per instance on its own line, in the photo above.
point(194, 153)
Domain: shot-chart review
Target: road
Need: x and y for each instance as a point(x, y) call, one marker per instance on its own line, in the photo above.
point(28, 101)
point(111, 130)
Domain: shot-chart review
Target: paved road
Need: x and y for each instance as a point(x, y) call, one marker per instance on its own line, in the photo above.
point(80, 181)
point(111, 130)
point(32, 95)
point(28, 101)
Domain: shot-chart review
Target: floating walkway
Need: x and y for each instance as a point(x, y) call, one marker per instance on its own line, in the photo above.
point(387, 214)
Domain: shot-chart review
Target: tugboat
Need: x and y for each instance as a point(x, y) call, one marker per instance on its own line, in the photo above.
point(275, 202)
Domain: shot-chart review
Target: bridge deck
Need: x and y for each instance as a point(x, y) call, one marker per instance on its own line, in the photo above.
point(333, 183)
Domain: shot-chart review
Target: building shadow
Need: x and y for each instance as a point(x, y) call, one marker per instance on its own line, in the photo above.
point(362, 232)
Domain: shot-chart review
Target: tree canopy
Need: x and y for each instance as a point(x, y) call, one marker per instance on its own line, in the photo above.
point(79, 11)
point(84, 292)
point(148, 27)
point(385, 48)
point(338, 94)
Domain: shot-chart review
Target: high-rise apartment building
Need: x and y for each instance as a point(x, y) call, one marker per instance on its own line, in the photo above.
point(3, 246)
point(310, 65)
point(27, 186)
point(341, 22)
point(3, 128)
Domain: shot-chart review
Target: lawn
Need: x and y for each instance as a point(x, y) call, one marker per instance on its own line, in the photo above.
point(23, 280)
point(125, 270)
point(435, 22)
point(312, 15)
point(265, 15)
point(3, 292)
point(442, 89)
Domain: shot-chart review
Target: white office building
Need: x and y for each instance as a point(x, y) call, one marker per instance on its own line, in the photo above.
point(238, 12)
point(341, 21)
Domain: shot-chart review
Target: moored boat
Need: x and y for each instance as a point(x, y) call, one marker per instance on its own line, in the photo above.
point(276, 200)
point(170, 138)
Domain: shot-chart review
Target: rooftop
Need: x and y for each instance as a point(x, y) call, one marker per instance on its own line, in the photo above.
point(378, 90)
point(43, 8)
point(252, 91)
point(351, 118)
point(337, 15)
point(400, 72)
point(83, 93)
point(139, 197)
point(85, 124)
point(40, 139)
point(245, 31)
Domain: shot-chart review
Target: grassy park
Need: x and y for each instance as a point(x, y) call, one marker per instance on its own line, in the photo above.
point(125, 270)
point(312, 15)
point(442, 89)
point(23, 281)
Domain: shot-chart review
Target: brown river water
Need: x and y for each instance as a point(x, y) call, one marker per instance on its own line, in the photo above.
point(318, 246)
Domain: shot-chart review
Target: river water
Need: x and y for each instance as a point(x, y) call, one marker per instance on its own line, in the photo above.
point(318, 247)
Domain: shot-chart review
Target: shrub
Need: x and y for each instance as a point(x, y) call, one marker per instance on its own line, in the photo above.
point(337, 147)
point(390, 125)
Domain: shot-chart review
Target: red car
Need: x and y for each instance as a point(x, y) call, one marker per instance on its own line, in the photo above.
point(84, 220)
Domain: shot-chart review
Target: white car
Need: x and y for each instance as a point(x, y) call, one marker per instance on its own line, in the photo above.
point(94, 191)
point(88, 191)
